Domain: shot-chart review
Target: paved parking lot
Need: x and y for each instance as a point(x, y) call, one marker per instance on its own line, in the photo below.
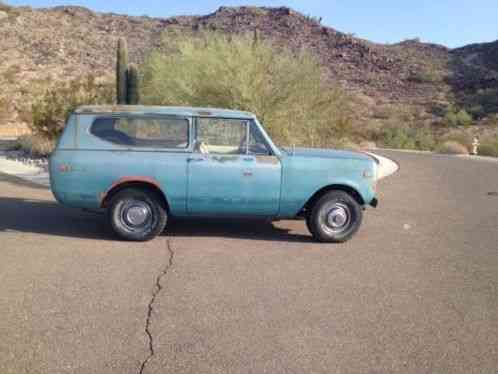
point(415, 292)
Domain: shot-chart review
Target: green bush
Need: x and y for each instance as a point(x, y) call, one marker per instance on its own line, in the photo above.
point(426, 75)
point(404, 137)
point(49, 113)
point(287, 91)
point(396, 137)
point(464, 118)
point(456, 117)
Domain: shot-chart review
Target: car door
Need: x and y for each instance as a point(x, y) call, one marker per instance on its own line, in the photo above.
point(225, 178)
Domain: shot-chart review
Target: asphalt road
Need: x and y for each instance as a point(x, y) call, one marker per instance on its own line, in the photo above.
point(416, 291)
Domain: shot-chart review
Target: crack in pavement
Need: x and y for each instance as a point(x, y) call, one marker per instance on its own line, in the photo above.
point(155, 292)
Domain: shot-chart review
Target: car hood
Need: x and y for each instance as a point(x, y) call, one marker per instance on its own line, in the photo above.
point(327, 153)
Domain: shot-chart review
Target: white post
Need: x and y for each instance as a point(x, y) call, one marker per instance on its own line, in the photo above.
point(475, 146)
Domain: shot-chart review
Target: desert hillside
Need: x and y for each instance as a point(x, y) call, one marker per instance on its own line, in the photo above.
point(41, 46)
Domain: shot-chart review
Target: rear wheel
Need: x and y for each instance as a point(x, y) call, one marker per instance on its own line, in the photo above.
point(335, 217)
point(137, 215)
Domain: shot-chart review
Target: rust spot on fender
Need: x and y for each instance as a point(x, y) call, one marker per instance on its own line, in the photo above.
point(128, 179)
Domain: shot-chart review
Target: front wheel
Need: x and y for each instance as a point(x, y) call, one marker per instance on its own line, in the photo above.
point(335, 217)
point(136, 215)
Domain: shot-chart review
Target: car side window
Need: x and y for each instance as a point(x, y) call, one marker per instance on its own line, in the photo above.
point(257, 143)
point(145, 132)
point(221, 136)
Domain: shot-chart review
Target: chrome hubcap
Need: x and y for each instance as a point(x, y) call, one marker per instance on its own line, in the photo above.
point(335, 218)
point(136, 214)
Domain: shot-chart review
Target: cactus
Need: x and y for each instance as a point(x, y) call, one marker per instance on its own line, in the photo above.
point(122, 72)
point(256, 37)
point(132, 86)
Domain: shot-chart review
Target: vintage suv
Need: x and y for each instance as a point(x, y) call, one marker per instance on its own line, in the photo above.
point(147, 164)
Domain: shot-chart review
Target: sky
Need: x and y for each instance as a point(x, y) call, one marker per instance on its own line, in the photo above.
point(452, 23)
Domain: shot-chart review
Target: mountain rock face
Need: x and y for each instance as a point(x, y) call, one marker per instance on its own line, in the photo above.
point(39, 46)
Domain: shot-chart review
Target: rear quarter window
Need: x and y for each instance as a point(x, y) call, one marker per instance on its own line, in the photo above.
point(143, 132)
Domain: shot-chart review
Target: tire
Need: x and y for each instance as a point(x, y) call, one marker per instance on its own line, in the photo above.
point(335, 217)
point(136, 215)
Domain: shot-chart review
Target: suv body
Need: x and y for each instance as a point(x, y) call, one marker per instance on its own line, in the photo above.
point(201, 162)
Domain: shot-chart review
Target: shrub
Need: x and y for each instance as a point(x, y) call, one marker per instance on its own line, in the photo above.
point(462, 138)
point(10, 10)
point(456, 118)
point(36, 145)
point(4, 110)
point(426, 75)
point(464, 118)
point(396, 137)
point(489, 147)
point(404, 137)
point(49, 113)
point(453, 148)
point(288, 92)
point(423, 139)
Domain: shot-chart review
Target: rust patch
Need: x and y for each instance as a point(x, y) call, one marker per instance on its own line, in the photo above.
point(267, 160)
point(109, 109)
point(65, 168)
point(224, 158)
point(129, 179)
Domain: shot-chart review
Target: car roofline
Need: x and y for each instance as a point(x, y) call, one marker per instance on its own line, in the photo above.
point(163, 110)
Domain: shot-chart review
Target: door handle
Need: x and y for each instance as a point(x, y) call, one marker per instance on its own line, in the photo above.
point(247, 173)
point(195, 159)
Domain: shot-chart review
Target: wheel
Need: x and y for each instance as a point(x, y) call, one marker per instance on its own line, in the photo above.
point(335, 217)
point(136, 215)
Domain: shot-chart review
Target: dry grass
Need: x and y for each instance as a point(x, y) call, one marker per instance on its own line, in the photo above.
point(489, 147)
point(452, 148)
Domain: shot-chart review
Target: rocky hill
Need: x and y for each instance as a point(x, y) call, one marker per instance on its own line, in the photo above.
point(45, 45)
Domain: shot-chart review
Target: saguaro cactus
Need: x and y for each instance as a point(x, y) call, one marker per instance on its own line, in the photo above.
point(122, 72)
point(256, 37)
point(132, 88)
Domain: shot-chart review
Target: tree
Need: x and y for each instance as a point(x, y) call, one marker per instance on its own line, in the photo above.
point(287, 91)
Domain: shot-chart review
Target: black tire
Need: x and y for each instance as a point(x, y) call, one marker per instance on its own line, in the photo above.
point(137, 215)
point(335, 217)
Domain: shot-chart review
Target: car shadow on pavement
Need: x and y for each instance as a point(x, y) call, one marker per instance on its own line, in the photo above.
point(234, 229)
point(50, 218)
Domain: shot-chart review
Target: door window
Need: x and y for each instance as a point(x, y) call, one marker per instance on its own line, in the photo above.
point(257, 143)
point(221, 136)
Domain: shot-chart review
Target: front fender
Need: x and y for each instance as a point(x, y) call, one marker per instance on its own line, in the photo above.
point(302, 179)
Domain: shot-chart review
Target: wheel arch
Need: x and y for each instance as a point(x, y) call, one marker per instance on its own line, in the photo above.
point(332, 187)
point(144, 183)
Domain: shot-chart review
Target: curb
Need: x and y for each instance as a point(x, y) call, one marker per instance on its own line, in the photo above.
point(18, 170)
point(430, 153)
